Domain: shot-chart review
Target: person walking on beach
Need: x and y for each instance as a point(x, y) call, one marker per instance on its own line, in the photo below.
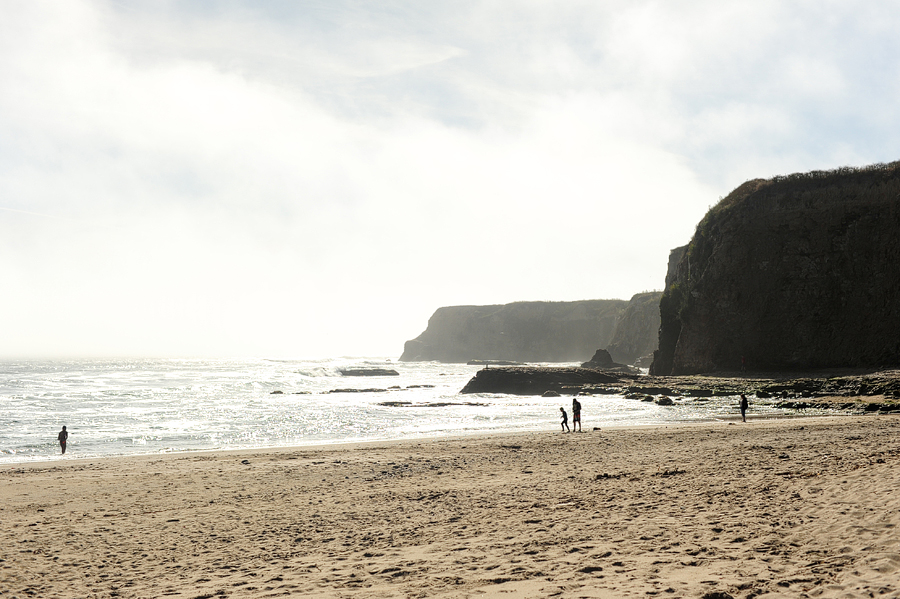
point(565, 420)
point(63, 436)
point(744, 404)
point(576, 414)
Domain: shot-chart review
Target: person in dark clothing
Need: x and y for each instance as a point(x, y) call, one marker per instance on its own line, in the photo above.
point(63, 437)
point(576, 414)
point(565, 421)
point(744, 404)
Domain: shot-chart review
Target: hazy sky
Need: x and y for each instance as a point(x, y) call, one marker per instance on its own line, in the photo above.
point(277, 179)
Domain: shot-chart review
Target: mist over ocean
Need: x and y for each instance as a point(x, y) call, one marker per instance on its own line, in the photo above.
point(129, 407)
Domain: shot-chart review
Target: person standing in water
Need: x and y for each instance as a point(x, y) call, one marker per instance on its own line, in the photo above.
point(63, 437)
point(744, 404)
point(576, 414)
point(565, 420)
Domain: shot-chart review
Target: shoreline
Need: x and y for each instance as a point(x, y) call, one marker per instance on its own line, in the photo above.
point(336, 445)
point(773, 508)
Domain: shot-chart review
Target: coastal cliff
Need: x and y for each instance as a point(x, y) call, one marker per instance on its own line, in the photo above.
point(637, 331)
point(520, 332)
point(791, 273)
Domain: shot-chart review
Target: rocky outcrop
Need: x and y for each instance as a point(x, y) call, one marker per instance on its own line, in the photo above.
point(637, 331)
point(602, 360)
point(518, 332)
point(872, 392)
point(795, 272)
point(368, 372)
point(525, 380)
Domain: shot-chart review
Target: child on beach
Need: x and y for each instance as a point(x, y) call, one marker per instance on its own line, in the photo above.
point(565, 421)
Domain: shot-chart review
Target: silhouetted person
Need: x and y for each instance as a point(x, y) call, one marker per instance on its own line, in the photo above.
point(565, 420)
point(576, 414)
point(744, 404)
point(63, 437)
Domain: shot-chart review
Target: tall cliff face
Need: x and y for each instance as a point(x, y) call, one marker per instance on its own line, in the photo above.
point(790, 273)
point(637, 332)
point(520, 332)
point(668, 333)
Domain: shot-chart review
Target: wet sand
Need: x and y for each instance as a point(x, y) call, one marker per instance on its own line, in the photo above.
point(775, 508)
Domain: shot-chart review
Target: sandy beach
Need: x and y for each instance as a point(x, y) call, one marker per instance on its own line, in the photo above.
point(775, 508)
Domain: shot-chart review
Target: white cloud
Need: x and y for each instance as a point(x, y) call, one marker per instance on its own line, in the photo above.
point(237, 182)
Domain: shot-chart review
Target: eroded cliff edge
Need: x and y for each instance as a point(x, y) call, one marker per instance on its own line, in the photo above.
point(637, 331)
point(790, 273)
point(518, 332)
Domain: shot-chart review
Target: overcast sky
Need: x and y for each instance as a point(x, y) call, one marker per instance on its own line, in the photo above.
point(299, 179)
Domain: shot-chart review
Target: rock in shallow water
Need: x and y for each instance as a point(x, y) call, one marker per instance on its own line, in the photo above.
point(533, 380)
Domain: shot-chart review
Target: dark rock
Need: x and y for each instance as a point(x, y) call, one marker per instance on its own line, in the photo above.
point(791, 273)
point(493, 363)
point(527, 380)
point(368, 372)
point(716, 595)
point(602, 360)
point(665, 401)
point(650, 390)
point(276, 393)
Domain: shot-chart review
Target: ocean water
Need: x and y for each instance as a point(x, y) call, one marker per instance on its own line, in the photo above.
point(127, 407)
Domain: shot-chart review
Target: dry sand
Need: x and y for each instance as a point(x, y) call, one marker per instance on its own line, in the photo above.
point(773, 508)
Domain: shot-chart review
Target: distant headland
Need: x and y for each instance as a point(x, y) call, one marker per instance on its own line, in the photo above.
point(540, 331)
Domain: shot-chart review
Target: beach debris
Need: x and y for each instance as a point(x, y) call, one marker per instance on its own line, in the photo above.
point(671, 472)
